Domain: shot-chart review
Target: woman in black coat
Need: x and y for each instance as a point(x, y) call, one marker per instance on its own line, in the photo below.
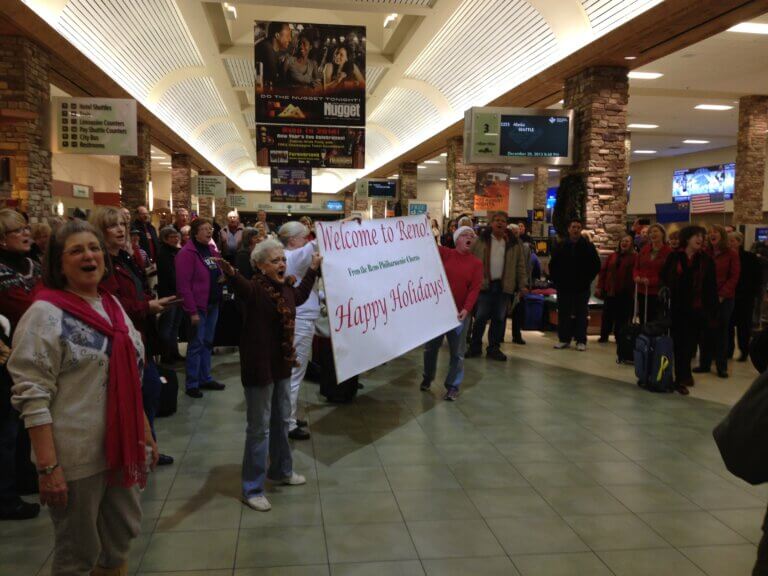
point(689, 277)
point(747, 291)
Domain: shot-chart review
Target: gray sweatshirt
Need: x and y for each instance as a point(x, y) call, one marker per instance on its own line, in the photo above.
point(60, 369)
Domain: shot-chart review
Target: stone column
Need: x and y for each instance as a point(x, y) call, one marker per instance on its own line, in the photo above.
point(407, 173)
point(540, 185)
point(360, 204)
point(379, 208)
point(24, 103)
point(750, 160)
point(462, 179)
point(135, 171)
point(600, 96)
point(181, 181)
point(206, 202)
point(349, 201)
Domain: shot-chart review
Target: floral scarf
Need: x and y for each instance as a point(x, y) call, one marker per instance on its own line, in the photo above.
point(287, 316)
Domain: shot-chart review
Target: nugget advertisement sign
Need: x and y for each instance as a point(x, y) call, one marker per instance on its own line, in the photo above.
point(386, 290)
point(309, 76)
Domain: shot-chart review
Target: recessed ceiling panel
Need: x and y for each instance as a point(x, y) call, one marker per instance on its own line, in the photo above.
point(406, 113)
point(137, 42)
point(424, 3)
point(373, 75)
point(376, 144)
point(190, 103)
point(605, 15)
point(241, 72)
point(485, 49)
point(215, 136)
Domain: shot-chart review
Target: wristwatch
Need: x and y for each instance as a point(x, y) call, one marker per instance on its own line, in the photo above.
point(48, 470)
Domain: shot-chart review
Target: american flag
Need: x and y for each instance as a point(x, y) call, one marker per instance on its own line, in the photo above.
point(703, 203)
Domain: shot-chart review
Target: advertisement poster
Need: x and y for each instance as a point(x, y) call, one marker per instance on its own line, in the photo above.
point(386, 290)
point(99, 126)
point(291, 184)
point(310, 76)
point(492, 191)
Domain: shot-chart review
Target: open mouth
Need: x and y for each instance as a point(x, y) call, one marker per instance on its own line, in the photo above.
point(89, 268)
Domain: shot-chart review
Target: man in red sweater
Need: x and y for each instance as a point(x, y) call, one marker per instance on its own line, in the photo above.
point(465, 276)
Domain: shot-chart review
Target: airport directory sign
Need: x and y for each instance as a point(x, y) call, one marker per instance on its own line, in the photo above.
point(98, 126)
point(211, 186)
point(521, 136)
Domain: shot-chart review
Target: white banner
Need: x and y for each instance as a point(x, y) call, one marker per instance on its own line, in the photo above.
point(386, 290)
point(101, 126)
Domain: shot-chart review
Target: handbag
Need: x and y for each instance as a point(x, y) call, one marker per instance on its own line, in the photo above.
point(742, 436)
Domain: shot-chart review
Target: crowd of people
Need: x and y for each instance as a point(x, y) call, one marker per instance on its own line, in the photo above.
point(93, 310)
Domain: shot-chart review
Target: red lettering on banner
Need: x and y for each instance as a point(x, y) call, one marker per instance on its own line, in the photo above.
point(351, 316)
point(345, 239)
point(415, 293)
point(411, 231)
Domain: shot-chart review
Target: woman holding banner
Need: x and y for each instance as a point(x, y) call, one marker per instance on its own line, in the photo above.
point(267, 357)
point(465, 276)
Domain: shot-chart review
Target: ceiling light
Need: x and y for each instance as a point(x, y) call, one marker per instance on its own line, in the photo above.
point(644, 151)
point(630, 57)
point(394, 176)
point(553, 170)
point(421, 167)
point(431, 161)
point(230, 12)
point(390, 20)
point(561, 102)
point(527, 175)
point(750, 28)
point(514, 178)
point(717, 107)
point(645, 75)
point(642, 126)
point(692, 141)
point(444, 154)
point(443, 179)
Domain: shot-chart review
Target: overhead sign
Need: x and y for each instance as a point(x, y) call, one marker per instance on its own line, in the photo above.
point(79, 191)
point(521, 136)
point(211, 186)
point(386, 290)
point(417, 208)
point(492, 190)
point(377, 188)
point(99, 126)
point(237, 200)
point(310, 94)
point(291, 184)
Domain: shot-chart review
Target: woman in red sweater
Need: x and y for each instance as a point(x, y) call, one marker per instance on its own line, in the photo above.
point(714, 342)
point(614, 286)
point(648, 266)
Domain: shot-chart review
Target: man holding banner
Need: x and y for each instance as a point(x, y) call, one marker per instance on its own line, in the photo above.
point(465, 275)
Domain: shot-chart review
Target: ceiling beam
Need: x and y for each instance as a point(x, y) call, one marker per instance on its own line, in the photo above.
point(348, 5)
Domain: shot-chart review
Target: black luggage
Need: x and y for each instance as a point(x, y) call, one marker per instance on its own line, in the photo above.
point(169, 392)
point(627, 335)
point(337, 392)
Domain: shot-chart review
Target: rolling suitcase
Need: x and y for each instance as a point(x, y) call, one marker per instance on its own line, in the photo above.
point(627, 335)
point(169, 393)
point(655, 357)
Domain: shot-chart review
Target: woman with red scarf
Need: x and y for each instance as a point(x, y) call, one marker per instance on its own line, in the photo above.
point(614, 286)
point(648, 265)
point(76, 367)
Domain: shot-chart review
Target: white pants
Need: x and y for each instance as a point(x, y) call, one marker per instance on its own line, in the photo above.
point(302, 341)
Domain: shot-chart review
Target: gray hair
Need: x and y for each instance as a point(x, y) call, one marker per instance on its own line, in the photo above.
point(232, 213)
point(291, 230)
point(262, 249)
point(167, 231)
point(738, 235)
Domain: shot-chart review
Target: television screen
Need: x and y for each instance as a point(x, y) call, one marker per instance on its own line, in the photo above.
point(534, 136)
point(382, 189)
point(291, 184)
point(336, 205)
point(761, 234)
point(717, 179)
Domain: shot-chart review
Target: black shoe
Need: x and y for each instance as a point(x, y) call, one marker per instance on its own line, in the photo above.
point(472, 353)
point(19, 510)
point(518, 341)
point(425, 385)
point(301, 423)
point(496, 355)
point(298, 434)
point(164, 460)
point(700, 370)
point(212, 385)
point(722, 373)
point(194, 393)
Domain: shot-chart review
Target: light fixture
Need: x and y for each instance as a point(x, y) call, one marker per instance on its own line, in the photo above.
point(230, 12)
point(60, 208)
point(716, 107)
point(170, 203)
point(635, 75)
point(370, 211)
point(553, 169)
point(390, 20)
point(443, 179)
point(750, 28)
point(151, 197)
point(514, 178)
point(527, 175)
point(447, 203)
point(421, 167)
point(444, 154)
point(394, 176)
point(630, 57)
point(213, 208)
point(642, 126)
point(431, 161)
point(693, 141)
point(644, 151)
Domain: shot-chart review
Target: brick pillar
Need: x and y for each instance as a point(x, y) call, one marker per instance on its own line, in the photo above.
point(360, 204)
point(206, 202)
point(379, 208)
point(750, 160)
point(181, 181)
point(221, 207)
point(24, 102)
point(407, 172)
point(349, 201)
point(135, 171)
point(540, 185)
point(600, 96)
point(462, 179)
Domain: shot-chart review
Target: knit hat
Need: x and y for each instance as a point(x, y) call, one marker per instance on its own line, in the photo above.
point(459, 231)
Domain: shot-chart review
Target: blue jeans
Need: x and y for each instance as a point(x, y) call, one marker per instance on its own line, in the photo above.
point(200, 347)
point(491, 305)
point(266, 437)
point(457, 344)
point(151, 385)
point(168, 326)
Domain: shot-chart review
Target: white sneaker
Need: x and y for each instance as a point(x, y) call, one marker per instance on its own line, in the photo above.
point(294, 480)
point(259, 503)
point(562, 345)
point(581, 347)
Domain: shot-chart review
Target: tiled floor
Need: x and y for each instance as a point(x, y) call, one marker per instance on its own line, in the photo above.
point(537, 470)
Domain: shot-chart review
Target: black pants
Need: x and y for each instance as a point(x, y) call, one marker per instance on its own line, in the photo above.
point(714, 340)
point(572, 312)
point(617, 312)
point(518, 319)
point(686, 331)
point(741, 326)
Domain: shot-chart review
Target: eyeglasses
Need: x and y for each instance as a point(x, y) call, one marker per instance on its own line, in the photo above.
point(21, 230)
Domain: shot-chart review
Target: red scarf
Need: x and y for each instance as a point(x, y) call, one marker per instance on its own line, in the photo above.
point(125, 445)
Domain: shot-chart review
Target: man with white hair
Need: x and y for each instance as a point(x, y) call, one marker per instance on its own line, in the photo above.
point(298, 253)
point(230, 237)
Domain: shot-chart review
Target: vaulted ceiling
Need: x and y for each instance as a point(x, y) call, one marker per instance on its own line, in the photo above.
point(191, 62)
